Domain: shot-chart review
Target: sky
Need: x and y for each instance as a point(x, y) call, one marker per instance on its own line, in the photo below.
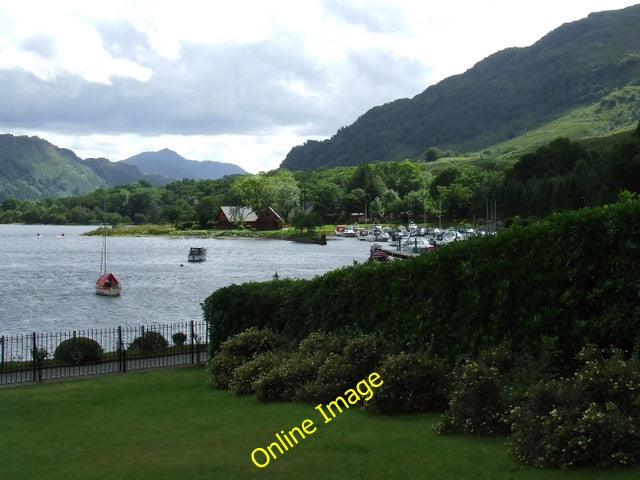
point(239, 81)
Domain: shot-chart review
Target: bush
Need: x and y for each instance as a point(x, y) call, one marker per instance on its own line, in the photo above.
point(179, 338)
point(482, 394)
point(149, 342)
point(239, 349)
point(245, 376)
point(300, 368)
point(319, 345)
point(283, 382)
point(220, 369)
point(412, 383)
point(78, 350)
point(591, 419)
point(360, 356)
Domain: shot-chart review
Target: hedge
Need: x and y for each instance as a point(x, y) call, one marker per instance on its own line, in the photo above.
point(573, 278)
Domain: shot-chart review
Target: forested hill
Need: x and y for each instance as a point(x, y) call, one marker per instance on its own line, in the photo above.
point(501, 97)
point(31, 168)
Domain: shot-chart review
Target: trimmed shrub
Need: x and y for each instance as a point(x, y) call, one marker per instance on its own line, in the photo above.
point(591, 419)
point(149, 342)
point(239, 349)
point(514, 287)
point(412, 383)
point(78, 350)
point(179, 338)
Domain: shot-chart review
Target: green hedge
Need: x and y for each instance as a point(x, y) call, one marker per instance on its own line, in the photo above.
point(573, 278)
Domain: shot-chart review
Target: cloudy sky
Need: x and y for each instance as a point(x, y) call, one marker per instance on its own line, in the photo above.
point(239, 81)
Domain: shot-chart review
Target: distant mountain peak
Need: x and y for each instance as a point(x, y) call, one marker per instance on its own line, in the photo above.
point(171, 164)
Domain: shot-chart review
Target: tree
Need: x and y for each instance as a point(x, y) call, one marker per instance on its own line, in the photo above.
point(305, 219)
point(326, 197)
point(206, 209)
point(432, 154)
point(283, 191)
point(253, 192)
point(366, 178)
point(403, 177)
point(179, 213)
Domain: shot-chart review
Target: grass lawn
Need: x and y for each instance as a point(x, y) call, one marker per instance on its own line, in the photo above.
point(167, 424)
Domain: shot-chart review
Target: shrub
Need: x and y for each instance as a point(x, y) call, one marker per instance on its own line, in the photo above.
point(179, 338)
point(220, 369)
point(300, 368)
point(282, 383)
point(319, 345)
point(252, 341)
point(481, 395)
point(412, 383)
point(239, 349)
point(591, 419)
point(360, 356)
point(78, 350)
point(40, 355)
point(245, 376)
point(149, 342)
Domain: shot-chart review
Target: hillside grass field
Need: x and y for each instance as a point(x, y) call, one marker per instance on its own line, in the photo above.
point(168, 424)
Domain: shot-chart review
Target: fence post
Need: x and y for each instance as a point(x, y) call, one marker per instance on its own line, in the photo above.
point(1, 352)
point(122, 354)
point(192, 342)
point(34, 354)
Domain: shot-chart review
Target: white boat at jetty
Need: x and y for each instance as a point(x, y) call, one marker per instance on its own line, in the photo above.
point(197, 254)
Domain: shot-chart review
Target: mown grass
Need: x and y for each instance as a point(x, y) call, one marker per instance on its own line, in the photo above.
point(167, 424)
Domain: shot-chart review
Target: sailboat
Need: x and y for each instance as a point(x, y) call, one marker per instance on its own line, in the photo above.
point(107, 284)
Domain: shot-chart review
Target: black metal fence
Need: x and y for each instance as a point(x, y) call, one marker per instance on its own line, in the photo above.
point(36, 357)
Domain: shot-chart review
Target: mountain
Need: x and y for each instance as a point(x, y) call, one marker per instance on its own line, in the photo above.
point(31, 168)
point(501, 97)
point(169, 163)
point(118, 173)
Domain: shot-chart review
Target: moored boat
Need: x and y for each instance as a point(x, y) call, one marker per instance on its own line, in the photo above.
point(107, 284)
point(197, 254)
point(377, 253)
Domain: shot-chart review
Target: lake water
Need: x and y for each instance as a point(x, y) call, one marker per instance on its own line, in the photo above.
point(47, 283)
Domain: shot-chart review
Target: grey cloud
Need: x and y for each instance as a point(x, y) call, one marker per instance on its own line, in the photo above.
point(210, 90)
point(41, 45)
point(373, 16)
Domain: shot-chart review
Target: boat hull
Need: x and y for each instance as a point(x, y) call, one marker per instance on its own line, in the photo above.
point(108, 291)
point(108, 285)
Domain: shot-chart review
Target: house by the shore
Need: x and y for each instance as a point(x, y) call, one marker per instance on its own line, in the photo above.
point(232, 217)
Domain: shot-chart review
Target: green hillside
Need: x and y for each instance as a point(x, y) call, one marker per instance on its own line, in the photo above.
point(504, 96)
point(617, 112)
point(33, 168)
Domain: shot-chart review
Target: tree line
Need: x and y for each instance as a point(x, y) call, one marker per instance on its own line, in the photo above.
point(561, 175)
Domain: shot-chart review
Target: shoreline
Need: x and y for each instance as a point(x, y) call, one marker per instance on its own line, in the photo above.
point(318, 237)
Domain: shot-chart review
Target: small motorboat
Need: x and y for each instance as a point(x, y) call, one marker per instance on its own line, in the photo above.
point(377, 253)
point(197, 254)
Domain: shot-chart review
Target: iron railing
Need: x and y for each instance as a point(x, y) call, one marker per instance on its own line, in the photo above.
point(35, 357)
